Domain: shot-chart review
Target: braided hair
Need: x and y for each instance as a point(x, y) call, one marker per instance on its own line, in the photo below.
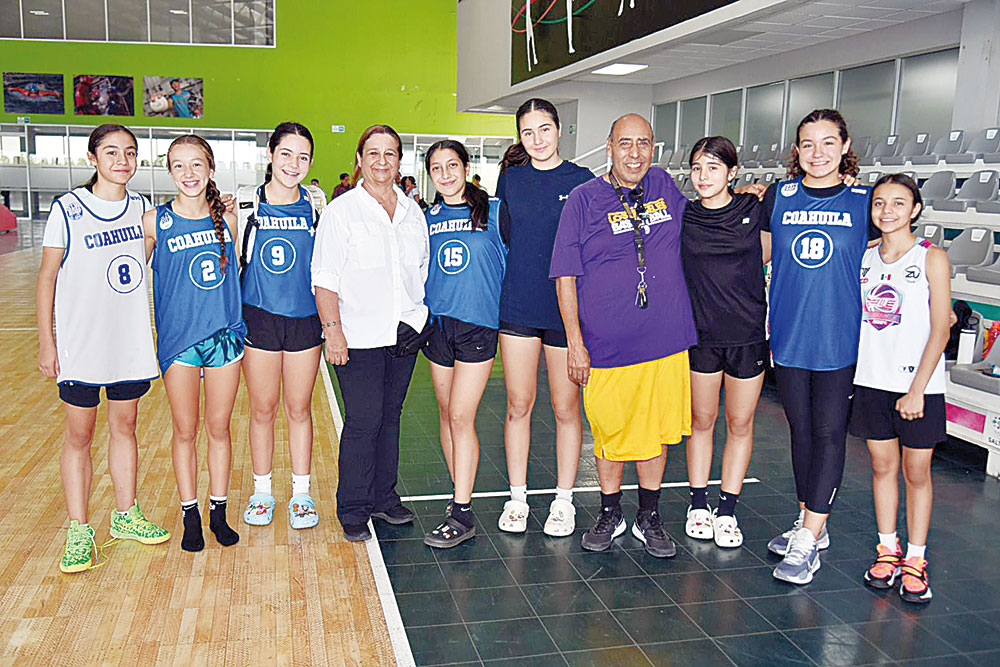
point(216, 208)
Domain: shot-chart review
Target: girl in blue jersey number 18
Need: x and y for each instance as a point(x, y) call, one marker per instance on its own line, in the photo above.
point(196, 297)
point(468, 253)
point(284, 336)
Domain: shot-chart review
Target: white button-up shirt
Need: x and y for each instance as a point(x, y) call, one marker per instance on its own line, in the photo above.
point(377, 266)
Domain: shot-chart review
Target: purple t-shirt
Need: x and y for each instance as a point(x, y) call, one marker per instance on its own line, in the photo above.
point(595, 243)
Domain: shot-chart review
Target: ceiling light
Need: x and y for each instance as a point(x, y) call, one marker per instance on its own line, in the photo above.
point(619, 69)
point(38, 12)
point(179, 12)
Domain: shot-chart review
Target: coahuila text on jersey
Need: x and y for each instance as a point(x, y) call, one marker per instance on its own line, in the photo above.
point(450, 226)
point(195, 239)
point(293, 223)
point(104, 239)
point(835, 218)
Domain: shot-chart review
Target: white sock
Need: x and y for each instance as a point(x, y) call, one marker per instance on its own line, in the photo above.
point(300, 484)
point(262, 483)
point(888, 540)
point(564, 494)
point(802, 516)
point(519, 493)
point(915, 550)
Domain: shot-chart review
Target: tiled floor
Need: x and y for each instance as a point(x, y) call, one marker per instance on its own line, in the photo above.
point(533, 600)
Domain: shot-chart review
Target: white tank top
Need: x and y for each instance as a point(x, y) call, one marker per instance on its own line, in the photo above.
point(103, 330)
point(896, 321)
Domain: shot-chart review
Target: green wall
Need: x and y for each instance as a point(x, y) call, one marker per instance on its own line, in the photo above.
point(336, 62)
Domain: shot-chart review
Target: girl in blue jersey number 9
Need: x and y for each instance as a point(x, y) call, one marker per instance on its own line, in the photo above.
point(284, 336)
point(468, 252)
point(196, 296)
point(819, 229)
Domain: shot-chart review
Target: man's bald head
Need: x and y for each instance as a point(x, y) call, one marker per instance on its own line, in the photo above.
point(632, 124)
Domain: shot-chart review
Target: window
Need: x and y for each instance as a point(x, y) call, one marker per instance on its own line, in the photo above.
point(763, 120)
point(804, 96)
point(665, 124)
point(866, 99)
point(169, 21)
point(927, 94)
point(43, 19)
point(212, 22)
point(85, 20)
point(693, 120)
point(253, 21)
point(127, 21)
point(10, 18)
point(727, 108)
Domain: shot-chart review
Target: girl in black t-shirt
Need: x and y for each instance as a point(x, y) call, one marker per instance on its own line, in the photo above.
point(723, 266)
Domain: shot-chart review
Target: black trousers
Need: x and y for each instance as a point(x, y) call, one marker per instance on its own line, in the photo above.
point(817, 404)
point(373, 385)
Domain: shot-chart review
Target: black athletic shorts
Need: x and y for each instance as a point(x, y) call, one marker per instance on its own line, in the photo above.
point(874, 417)
point(452, 340)
point(550, 337)
point(277, 333)
point(741, 362)
point(89, 395)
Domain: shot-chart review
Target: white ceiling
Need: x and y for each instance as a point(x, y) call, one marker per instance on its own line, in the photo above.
point(806, 24)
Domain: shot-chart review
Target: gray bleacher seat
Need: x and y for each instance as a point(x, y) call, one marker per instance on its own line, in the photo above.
point(992, 206)
point(767, 178)
point(938, 187)
point(915, 146)
point(981, 186)
point(977, 375)
point(687, 189)
point(973, 247)
point(861, 146)
point(931, 231)
point(987, 141)
point(675, 159)
point(949, 144)
point(744, 179)
point(680, 178)
point(750, 156)
point(984, 274)
point(869, 177)
point(768, 156)
point(665, 157)
point(885, 148)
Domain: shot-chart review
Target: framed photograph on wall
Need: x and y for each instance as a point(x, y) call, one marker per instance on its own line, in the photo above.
point(33, 93)
point(181, 97)
point(99, 95)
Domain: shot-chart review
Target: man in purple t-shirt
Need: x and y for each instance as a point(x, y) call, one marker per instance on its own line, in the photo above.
point(625, 306)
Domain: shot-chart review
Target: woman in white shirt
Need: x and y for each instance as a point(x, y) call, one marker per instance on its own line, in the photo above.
point(368, 270)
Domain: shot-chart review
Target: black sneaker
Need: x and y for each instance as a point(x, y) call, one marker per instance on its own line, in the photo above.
point(610, 524)
point(358, 533)
point(397, 515)
point(648, 529)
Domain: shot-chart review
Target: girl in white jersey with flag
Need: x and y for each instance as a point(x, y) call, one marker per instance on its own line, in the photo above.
point(900, 381)
point(93, 278)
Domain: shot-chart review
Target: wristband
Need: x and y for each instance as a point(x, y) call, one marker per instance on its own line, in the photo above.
point(330, 323)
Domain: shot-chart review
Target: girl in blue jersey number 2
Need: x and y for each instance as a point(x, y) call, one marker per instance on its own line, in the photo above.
point(468, 254)
point(200, 331)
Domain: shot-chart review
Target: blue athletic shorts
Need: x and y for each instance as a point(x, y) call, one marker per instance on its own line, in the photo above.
point(220, 349)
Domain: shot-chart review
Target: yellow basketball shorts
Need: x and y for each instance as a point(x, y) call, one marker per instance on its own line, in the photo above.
point(634, 410)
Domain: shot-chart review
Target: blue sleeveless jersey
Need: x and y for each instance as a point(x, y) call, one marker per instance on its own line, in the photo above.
point(192, 297)
point(466, 267)
point(277, 277)
point(816, 250)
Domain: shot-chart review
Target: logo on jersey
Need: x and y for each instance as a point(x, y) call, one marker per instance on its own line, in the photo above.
point(125, 274)
point(882, 304)
point(746, 221)
point(73, 210)
point(435, 209)
point(907, 369)
point(656, 212)
point(453, 257)
point(563, 197)
point(166, 221)
point(789, 189)
point(812, 248)
point(277, 255)
point(911, 273)
point(204, 270)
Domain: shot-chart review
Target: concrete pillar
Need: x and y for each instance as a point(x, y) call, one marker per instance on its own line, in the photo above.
point(977, 89)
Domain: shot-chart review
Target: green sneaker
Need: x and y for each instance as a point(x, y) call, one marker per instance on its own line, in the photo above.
point(134, 526)
point(79, 555)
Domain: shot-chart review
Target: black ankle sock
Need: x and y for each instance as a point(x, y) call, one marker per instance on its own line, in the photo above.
point(648, 500)
point(699, 497)
point(193, 539)
point(727, 503)
point(462, 512)
point(609, 501)
point(224, 535)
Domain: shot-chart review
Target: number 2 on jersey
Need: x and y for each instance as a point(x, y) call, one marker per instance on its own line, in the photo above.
point(208, 271)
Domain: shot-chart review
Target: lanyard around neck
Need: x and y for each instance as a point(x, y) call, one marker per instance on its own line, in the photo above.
point(636, 216)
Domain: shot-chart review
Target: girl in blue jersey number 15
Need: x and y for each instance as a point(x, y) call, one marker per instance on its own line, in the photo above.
point(196, 297)
point(284, 336)
point(468, 253)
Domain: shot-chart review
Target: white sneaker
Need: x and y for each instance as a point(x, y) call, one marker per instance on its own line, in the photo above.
point(562, 519)
point(514, 518)
point(699, 524)
point(726, 531)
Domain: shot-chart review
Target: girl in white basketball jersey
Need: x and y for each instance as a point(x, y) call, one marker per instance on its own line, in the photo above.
point(92, 278)
point(899, 381)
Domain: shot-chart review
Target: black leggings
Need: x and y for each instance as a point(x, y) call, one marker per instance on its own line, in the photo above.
point(817, 405)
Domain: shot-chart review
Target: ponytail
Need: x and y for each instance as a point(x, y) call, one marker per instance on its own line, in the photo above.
point(514, 156)
point(216, 209)
point(479, 206)
point(269, 173)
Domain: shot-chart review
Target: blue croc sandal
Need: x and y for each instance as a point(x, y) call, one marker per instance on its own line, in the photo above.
point(302, 512)
point(260, 510)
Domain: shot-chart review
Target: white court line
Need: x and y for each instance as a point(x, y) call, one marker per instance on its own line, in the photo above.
point(2, 329)
point(393, 621)
point(576, 489)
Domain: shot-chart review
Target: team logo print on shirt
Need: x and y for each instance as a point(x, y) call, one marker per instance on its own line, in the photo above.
point(453, 257)
point(204, 270)
point(563, 197)
point(73, 210)
point(277, 255)
point(812, 248)
point(656, 212)
point(882, 304)
point(125, 274)
point(911, 273)
point(789, 189)
point(435, 209)
point(166, 221)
